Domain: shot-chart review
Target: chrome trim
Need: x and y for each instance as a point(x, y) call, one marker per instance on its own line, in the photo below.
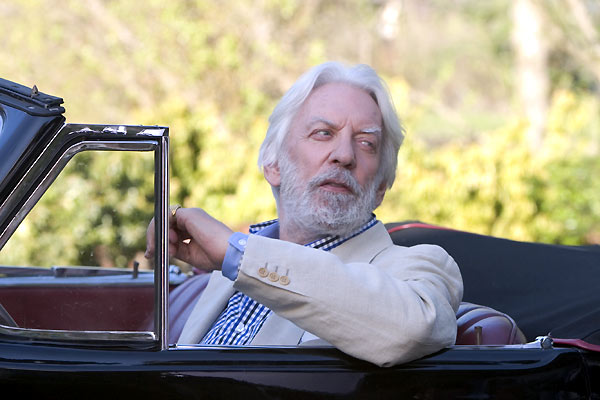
point(117, 130)
point(161, 256)
point(49, 334)
point(21, 188)
point(544, 342)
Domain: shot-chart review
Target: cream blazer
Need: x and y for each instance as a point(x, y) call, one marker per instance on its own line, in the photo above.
point(371, 299)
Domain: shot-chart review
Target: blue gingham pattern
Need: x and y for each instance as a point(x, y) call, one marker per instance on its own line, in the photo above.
point(243, 317)
point(239, 322)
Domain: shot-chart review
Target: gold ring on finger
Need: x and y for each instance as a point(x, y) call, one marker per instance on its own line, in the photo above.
point(174, 209)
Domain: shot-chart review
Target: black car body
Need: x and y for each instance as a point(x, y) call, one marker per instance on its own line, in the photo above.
point(71, 332)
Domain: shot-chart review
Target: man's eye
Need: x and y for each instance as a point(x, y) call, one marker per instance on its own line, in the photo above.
point(368, 144)
point(322, 134)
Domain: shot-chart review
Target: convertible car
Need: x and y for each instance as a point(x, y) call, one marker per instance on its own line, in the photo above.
point(79, 319)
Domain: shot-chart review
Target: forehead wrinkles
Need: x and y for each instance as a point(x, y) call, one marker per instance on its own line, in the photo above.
point(321, 120)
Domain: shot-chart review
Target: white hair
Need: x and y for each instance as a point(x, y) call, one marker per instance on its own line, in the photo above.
point(361, 76)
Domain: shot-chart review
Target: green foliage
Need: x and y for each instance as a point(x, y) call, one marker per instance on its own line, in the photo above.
point(95, 213)
point(496, 186)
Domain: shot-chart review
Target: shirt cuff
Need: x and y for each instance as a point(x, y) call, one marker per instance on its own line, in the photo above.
point(233, 255)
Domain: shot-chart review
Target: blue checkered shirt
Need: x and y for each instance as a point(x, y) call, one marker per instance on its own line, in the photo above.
point(243, 317)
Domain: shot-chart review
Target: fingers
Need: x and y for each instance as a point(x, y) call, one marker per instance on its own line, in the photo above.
point(183, 252)
point(194, 237)
point(150, 240)
point(174, 235)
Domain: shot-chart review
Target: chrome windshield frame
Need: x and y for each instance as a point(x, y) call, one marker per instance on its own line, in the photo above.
point(46, 168)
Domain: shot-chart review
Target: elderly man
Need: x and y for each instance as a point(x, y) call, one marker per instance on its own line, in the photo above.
point(326, 271)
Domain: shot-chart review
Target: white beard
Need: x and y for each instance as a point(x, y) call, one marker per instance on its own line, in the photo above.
point(319, 212)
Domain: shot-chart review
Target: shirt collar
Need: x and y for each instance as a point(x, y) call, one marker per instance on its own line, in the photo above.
point(271, 229)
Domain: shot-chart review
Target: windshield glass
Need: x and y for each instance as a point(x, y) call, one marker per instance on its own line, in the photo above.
point(76, 262)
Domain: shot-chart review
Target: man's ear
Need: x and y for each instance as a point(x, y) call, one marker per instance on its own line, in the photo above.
point(272, 174)
point(380, 193)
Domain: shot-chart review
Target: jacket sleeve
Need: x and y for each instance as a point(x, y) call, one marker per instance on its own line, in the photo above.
point(394, 308)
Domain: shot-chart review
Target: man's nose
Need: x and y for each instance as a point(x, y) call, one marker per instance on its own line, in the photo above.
point(343, 153)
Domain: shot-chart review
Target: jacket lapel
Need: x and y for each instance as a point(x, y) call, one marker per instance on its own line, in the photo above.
point(209, 306)
point(366, 246)
point(277, 331)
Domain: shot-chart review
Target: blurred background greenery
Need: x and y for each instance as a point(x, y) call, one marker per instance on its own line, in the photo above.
point(500, 98)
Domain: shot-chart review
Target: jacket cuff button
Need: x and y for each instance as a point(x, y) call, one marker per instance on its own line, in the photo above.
point(273, 276)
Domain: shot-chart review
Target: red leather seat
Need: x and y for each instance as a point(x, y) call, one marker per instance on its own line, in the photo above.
point(481, 325)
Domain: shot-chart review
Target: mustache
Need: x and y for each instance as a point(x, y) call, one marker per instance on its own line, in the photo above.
point(340, 176)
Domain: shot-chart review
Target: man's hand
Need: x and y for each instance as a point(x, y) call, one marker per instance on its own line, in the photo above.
point(194, 237)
